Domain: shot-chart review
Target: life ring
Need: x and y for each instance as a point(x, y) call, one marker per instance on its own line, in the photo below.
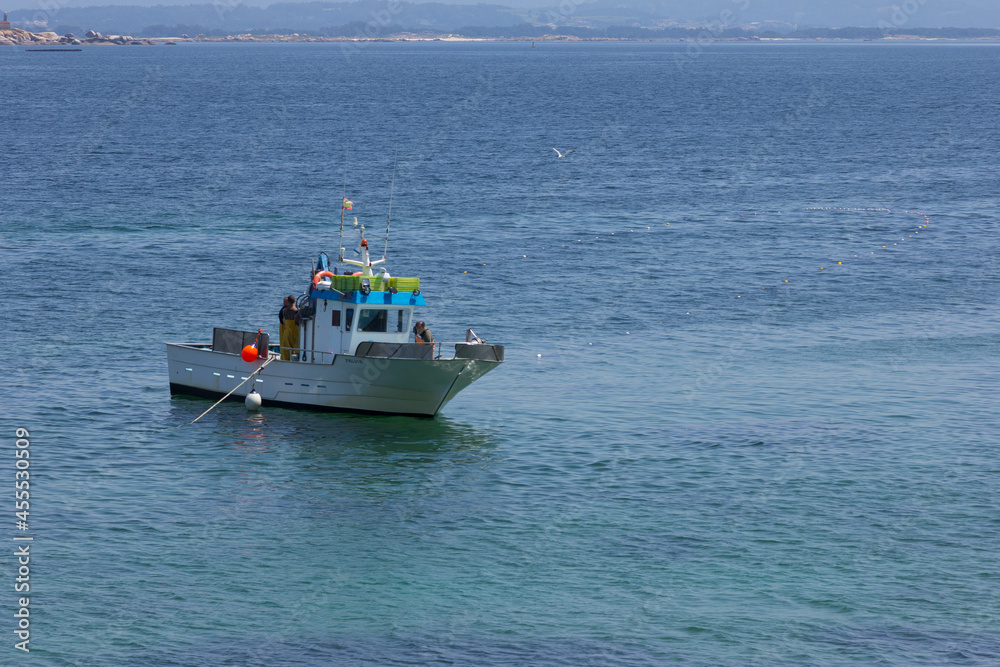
point(319, 276)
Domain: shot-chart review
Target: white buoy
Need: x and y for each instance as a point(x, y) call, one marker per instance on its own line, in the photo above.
point(539, 356)
point(252, 401)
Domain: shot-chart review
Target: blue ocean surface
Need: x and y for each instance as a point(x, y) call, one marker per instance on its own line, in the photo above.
point(748, 414)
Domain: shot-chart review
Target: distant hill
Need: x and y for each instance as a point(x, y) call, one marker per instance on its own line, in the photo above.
point(621, 18)
point(802, 13)
point(223, 17)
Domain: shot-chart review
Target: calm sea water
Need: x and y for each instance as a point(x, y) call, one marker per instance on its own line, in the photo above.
point(763, 427)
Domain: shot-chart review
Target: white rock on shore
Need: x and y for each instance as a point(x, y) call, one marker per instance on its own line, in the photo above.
point(16, 36)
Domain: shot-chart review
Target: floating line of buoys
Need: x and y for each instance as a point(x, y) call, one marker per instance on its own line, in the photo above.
point(926, 218)
point(856, 209)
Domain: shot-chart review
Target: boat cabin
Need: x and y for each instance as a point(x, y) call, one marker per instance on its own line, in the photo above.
point(346, 311)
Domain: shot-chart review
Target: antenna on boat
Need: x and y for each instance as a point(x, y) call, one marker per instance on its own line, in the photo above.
point(388, 217)
point(343, 201)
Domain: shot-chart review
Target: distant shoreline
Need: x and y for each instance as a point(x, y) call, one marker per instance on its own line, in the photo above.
point(20, 37)
point(577, 20)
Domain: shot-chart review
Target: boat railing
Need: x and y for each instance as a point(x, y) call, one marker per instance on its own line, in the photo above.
point(424, 351)
point(383, 350)
point(478, 351)
point(305, 355)
point(418, 351)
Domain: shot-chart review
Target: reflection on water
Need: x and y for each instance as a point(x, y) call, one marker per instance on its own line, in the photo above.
point(254, 434)
point(322, 438)
point(386, 435)
point(343, 472)
point(324, 433)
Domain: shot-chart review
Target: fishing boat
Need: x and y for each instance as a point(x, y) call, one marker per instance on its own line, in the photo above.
point(355, 352)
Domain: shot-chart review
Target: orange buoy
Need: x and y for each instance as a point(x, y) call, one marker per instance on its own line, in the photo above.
point(249, 354)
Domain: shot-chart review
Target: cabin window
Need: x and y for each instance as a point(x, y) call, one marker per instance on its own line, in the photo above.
point(336, 318)
point(373, 320)
point(402, 320)
point(348, 319)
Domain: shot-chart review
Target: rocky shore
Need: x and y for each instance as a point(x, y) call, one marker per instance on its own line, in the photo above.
point(18, 37)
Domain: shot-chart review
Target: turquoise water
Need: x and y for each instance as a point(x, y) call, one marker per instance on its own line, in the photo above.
point(706, 465)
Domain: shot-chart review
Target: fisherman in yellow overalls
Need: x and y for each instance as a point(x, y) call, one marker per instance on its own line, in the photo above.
point(288, 327)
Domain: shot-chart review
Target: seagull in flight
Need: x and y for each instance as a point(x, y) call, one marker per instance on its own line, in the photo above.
point(562, 154)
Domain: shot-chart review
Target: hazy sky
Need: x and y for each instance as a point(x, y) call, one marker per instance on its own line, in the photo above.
point(915, 13)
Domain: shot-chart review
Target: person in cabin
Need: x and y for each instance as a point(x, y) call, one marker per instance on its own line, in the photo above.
point(288, 325)
point(422, 334)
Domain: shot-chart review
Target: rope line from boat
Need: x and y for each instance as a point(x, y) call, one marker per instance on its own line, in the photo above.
point(236, 387)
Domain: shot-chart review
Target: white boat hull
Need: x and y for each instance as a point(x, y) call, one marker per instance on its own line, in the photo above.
point(355, 384)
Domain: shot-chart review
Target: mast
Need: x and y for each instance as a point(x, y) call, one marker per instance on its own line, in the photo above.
point(365, 263)
point(389, 216)
point(343, 205)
